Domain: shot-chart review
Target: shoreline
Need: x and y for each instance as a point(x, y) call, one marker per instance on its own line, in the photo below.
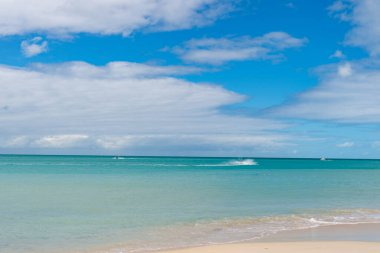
point(347, 238)
point(337, 238)
point(287, 247)
point(361, 232)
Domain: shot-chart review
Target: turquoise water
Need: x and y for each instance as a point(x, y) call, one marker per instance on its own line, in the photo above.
point(76, 203)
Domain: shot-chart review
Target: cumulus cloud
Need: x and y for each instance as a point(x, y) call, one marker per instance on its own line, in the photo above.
point(34, 46)
point(67, 17)
point(122, 105)
point(221, 50)
point(364, 16)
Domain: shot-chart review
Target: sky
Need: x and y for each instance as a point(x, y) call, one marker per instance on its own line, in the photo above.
point(260, 78)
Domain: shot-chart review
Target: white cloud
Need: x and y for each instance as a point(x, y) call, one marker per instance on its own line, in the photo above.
point(364, 16)
point(347, 144)
point(67, 17)
point(341, 9)
point(154, 144)
point(345, 70)
point(123, 105)
point(349, 95)
point(338, 54)
point(221, 50)
point(213, 140)
point(60, 141)
point(48, 141)
point(34, 46)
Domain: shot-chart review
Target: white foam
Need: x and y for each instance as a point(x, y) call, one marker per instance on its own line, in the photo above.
point(244, 162)
point(238, 162)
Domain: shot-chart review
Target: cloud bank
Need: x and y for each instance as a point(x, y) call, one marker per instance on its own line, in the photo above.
point(121, 105)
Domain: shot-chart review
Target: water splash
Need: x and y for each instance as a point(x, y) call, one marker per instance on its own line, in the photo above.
point(243, 162)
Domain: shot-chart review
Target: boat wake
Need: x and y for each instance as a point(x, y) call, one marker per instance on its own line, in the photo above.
point(244, 162)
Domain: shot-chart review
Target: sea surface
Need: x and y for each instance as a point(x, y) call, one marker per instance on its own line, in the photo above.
point(135, 204)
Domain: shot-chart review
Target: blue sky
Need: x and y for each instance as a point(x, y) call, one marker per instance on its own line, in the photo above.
point(200, 77)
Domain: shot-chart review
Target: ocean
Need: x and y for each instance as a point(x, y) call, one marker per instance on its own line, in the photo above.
point(136, 204)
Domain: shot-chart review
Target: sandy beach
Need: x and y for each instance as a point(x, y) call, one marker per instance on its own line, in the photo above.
point(358, 238)
point(288, 247)
point(347, 238)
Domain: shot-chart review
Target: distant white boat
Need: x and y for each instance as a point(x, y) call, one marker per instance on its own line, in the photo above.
point(323, 159)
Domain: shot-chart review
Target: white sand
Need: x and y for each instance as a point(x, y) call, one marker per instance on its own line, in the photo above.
point(287, 247)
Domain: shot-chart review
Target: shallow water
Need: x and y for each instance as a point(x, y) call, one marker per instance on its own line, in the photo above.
point(68, 203)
